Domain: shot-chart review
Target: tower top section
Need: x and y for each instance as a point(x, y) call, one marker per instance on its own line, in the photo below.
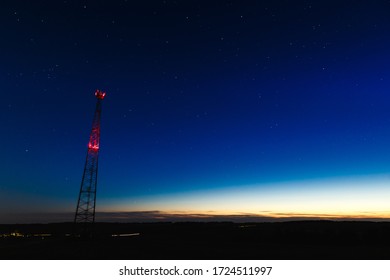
point(99, 94)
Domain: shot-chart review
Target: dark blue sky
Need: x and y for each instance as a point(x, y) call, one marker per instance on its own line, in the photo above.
point(202, 96)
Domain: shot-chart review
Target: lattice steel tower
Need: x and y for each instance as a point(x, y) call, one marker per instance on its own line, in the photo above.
point(85, 212)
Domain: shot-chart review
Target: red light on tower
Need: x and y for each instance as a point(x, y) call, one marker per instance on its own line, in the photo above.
point(93, 146)
point(99, 94)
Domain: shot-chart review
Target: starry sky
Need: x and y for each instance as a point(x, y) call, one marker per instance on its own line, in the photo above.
point(213, 108)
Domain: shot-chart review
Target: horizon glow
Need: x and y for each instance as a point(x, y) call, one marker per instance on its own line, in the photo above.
point(350, 197)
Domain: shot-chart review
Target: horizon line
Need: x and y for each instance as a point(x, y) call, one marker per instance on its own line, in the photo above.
point(184, 216)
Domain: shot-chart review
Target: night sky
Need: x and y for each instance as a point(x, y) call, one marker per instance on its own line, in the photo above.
point(252, 108)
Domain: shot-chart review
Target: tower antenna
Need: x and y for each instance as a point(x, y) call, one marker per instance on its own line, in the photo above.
point(85, 212)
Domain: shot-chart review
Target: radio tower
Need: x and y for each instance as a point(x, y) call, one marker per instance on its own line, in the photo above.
point(85, 212)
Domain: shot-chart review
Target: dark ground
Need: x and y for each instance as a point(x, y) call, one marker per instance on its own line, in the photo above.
point(280, 240)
